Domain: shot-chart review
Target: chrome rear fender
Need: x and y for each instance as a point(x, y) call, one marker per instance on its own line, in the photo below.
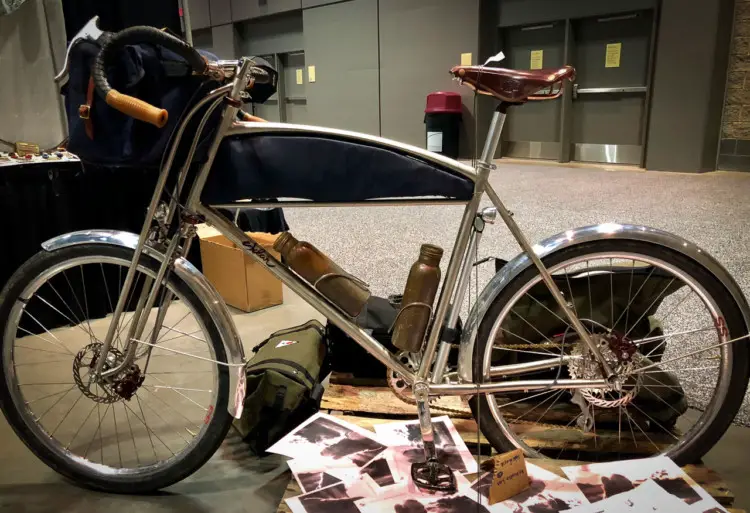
point(572, 238)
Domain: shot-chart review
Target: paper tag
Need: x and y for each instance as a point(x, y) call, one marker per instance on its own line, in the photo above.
point(509, 477)
point(612, 59)
point(465, 59)
point(299, 76)
point(311, 74)
point(285, 343)
point(495, 58)
point(537, 59)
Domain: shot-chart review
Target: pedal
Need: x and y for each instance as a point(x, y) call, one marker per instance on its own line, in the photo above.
point(434, 476)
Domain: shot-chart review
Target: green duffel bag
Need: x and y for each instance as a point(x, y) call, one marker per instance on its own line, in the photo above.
point(283, 384)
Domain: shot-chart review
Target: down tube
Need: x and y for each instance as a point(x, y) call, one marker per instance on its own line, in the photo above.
point(304, 290)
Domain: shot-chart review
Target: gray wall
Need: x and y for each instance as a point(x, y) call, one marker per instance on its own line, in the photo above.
point(225, 41)
point(277, 34)
point(341, 41)
point(691, 61)
point(30, 108)
point(420, 41)
point(522, 12)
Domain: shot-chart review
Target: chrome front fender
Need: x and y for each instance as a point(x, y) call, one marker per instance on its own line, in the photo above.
point(194, 279)
point(572, 238)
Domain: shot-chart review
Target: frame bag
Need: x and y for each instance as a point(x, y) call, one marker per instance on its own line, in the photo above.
point(283, 384)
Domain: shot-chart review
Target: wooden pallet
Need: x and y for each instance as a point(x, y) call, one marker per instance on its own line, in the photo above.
point(369, 406)
point(380, 402)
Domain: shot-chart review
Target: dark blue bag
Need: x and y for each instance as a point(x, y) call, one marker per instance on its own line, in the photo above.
point(144, 71)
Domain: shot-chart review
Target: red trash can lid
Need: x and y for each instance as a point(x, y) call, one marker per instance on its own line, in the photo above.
point(443, 102)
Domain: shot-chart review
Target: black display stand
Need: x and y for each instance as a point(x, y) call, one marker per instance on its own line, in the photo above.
point(39, 201)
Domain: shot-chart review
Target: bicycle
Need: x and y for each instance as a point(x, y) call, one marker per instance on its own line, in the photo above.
point(169, 363)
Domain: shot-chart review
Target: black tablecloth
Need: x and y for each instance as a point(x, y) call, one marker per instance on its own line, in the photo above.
point(41, 200)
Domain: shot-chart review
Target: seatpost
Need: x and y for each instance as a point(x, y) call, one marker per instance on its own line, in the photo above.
point(493, 135)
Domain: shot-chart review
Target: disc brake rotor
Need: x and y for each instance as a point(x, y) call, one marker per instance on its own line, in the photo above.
point(622, 356)
point(123, 386)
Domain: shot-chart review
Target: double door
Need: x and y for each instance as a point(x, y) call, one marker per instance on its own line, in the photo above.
point(603, 114)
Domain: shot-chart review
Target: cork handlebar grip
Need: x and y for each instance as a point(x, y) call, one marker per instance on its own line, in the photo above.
point(136, 108)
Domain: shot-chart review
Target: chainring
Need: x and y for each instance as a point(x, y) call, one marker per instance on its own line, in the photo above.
point(398, 385)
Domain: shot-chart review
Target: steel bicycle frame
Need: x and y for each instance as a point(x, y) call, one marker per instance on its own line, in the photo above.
point(454, 284)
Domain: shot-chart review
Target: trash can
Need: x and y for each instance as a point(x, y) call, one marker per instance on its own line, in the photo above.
point(443, 119)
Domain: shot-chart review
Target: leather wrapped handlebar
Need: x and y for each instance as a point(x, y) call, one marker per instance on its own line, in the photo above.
point(129, 105)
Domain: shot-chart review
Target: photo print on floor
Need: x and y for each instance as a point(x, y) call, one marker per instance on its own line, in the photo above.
point(649, 497)
point(335, 443)
point(405, 446)
point(337, 498)
point(547, 493)
point(599, 481)
point(401, 498)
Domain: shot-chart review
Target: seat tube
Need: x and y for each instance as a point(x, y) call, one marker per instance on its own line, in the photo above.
point(462, 240)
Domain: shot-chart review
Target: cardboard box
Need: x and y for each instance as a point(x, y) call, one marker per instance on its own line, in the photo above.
point(241, 281)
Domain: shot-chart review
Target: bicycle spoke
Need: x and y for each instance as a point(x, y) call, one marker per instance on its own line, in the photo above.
point(538, 405)
point(646, 340)
point(59, 342)
point(570, 290)
point(534, 328)
point(74, 324)
point(611, 295)
point(630, 297)
point(184, 334)
point(165, 423)
point(650, 418)
point(75, 296)
point(106, 288)
point(19, 346)
point(172, 408)
point(658, 449)
point(39, 420)
point(117, 435)
point(66, 415)
point(46, 397)
point(661, 294)
point(627, 308)
point(180, 393)
point(132, 436)
point(72, 313)
point(550, 311)
point(81, 426)
point(148, 430)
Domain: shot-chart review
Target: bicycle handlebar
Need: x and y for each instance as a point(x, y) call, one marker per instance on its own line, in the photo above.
point(129, 105)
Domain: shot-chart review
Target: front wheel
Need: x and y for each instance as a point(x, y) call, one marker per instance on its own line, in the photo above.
point(149, 426)
point(659, 319)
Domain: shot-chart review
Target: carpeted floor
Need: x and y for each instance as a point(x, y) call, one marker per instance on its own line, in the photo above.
point(379, 244)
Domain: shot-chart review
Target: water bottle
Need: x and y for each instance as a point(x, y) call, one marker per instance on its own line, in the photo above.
point(419, 295)
point(344, 290)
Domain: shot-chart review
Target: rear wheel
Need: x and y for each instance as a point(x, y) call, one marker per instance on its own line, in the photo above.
point(659, 319)
point(150, 426)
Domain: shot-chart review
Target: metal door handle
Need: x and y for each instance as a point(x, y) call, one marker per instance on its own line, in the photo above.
point(607, 90)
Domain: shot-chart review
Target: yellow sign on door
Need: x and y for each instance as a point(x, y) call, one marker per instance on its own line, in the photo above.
point(311, 74)
point(537, 59)
point(299, 76)
point(613, 55)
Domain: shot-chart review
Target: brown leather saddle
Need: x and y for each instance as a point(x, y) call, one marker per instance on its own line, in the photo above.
point(515, 86)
